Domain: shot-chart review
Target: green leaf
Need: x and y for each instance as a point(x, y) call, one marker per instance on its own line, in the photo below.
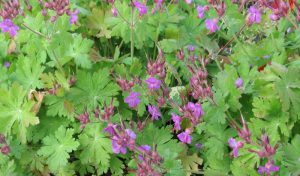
point(116, 166)
point(288, 89)
point(190, 162)
point(57, 148)
point(28, 73)
point(97, 88)
point(96, 148)
point(79, 50)
point(16, 111)
point(291, 156)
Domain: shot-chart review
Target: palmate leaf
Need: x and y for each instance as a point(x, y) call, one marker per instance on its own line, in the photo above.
point(79, 50)
point(90, 89)
point(291, 156)
point(57, 148)
point(28, 73)
point(288, 89)
point(96, 148)
point(190, 162)
point(16, 111)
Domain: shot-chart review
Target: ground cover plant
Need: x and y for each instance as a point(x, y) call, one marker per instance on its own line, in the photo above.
point(149, 88)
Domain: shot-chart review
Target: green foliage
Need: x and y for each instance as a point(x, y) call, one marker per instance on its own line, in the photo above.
point(16, 114)
point(57, 148)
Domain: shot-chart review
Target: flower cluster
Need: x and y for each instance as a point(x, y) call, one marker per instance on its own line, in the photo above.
point(267, 150)
point(84, 119)
point(198, 83)
point(147, 159)
point(10, 10)
point(157, 67)
point(60, 7)
point(5, 149)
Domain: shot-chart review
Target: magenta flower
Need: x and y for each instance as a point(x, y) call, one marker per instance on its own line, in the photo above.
point(74, 16)
point(191, 48)
point(211, 25)
point(158, 5)
point(122, 141)
point(144, 148)
point(201, 10)
point(268, 168)
point(141, 8)
point(9, 27)
point(153, 84)
point(154, 111)
point(188, 1)
point(133, 99)
point(110, 129)
point(114, 11)
point(239, 83)
point(185, 137)
point(235, 146)
point(177, 120)
point(254, 16)
point(199, 146)
point(6, 64)
point(195, 109)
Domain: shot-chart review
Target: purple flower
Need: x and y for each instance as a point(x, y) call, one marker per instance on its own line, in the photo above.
point(239, 83)
point(153, 110)
point(144, 148)
point(188, 1)
point(254, 15)
point(211, 25)
point(158, 5)
point(199, 146)
point(268, 168)
point(235, 146)
point(74, 16)
point(185, 137)
point(6, 64)
point(141, 8)
point(133, 99)
point(177, 120)
point(191, 48)
point(195, 109)
point(130, 133)
point(110, 129)
point(114, 11)
point(274, 17)
point(122, 141)
point(9, 27)
point(201, 10)
point(153, 84)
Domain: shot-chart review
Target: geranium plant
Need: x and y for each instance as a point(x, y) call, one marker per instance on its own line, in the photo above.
point(149, 88)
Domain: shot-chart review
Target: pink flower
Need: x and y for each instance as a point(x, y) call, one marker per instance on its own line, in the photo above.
point(153, 84)
point(9, 27)
point(235, 146)
point(154, 111)
point(74, 16)
point(211, 25)
point(185, 137)
point(201, 10)
point(114, 11)
point(141, 8)
point(133, 99)
point(254, 16)
point(239, 83)
point(177, 120)
point(268, 168)
point(188, 1)
point(125, 139)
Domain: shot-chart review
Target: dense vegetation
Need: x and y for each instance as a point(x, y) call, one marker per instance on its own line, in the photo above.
point(137, 87)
